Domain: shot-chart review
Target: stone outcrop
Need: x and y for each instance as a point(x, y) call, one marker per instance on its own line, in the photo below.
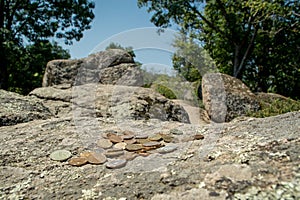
point(16, 109)
point(235, 160)
point(266, 158)
point(110, 101)
point(226, 97)
point(105, 67)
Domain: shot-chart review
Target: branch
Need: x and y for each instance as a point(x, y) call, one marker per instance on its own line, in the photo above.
point(210, 24)
point(246, 53)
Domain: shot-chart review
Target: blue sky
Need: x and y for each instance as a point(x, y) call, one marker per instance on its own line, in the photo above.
point(121, 21)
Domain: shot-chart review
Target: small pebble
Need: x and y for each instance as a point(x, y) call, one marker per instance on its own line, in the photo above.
point(176, 132)
point(198, 137)
point(166, 149)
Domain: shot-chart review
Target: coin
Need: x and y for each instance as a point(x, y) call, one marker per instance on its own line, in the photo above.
point(132, 141)
point(142, 141)
point(127, 137)
point(117, 163)
point(104, 143)
point(155, 137)
point(129, 155)
point(85, 154)
point(167, 138)
point(79, 161)
point(96, 158)
point(60, 155)
point(141, 136)
point(133, 147)
point(114, 138)
point(120, 145)
point(152, 144)
point(112, 153)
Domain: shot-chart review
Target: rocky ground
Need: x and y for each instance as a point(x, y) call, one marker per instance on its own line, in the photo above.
point(244, 159)
point(86, 105)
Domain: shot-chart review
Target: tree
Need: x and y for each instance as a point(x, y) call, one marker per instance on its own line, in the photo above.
point(190, 59)
point(26, 72)
point(24, 22)
point(113, 45)
point(234, 32)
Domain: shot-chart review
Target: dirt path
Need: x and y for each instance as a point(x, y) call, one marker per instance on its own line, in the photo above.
point(193, 112)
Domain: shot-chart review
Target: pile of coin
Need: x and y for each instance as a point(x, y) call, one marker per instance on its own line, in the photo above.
point(115, 150)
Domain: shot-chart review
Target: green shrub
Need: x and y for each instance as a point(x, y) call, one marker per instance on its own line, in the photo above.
point(165, 91)
point(276, 107)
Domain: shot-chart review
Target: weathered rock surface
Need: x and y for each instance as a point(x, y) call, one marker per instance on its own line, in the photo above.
point(250, 159)
point(16, 109)
point(226, 97)
point(110, 101)
point(106, 67)
point(247, 158)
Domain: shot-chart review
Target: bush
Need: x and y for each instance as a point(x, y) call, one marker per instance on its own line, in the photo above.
point(165, 91)
point(276, 107)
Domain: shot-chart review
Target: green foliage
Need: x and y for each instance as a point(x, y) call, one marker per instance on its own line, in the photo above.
point(113, 45)
point(276, 107)
point(26, 73)
point(23, 24)
point(165, 91)
point(256, 41)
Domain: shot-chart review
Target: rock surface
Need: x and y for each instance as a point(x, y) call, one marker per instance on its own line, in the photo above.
point(16, 109)
point(110, 101)
point(226, 97)
point(250, 159)
point(55, 142)
point(106, 67)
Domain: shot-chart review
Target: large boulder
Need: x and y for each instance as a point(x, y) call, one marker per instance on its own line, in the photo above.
point(105, 67)
point(226, 97)
point(110, 101)
point(15, 108)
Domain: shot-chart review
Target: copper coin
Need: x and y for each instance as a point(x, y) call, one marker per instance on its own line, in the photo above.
point(96, 158)
point(134, 147)
point(79, 161)
point(152, 144)
point(114, 138)
point(141, 136)
point(132, 141)
point(155, 137)
point(85, 154)
point(167, 138)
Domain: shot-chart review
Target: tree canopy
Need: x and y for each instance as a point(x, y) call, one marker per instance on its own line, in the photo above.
point(256, 41)
point(33, 22)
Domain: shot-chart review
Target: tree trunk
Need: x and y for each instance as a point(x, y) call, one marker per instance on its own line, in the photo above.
point(3, 70)
point(237, 60)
